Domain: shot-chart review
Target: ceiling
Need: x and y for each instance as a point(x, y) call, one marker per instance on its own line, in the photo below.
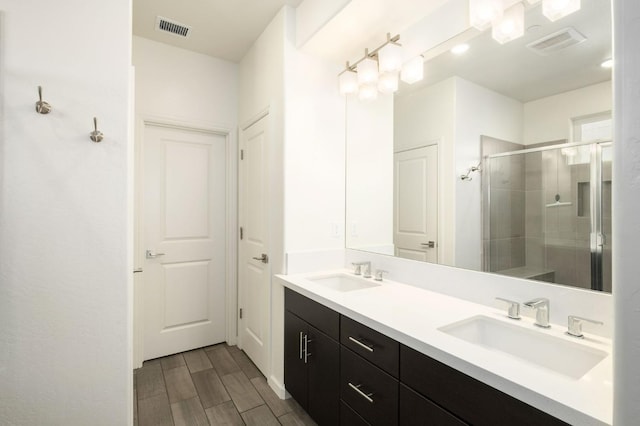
point(224, 29)
point(515, 71)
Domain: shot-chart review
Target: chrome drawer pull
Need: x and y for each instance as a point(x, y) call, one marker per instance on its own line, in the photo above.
point(365, 346)
point(301, 333)
point(366, 396)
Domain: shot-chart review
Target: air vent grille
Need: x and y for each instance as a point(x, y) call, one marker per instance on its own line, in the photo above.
point(556, 41)
point(172, 27)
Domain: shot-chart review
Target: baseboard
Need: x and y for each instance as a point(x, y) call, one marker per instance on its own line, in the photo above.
point(278, 388)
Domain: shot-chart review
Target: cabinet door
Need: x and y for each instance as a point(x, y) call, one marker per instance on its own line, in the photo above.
point(323, 362)
point(295, 369)
point(416, 410)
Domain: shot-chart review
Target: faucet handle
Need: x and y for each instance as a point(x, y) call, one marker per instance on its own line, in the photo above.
point(357, 268)
point(379, 273)
point(514, 308)
point(574, 325)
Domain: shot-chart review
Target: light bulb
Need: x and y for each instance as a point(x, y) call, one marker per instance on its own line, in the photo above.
point(459, 49)
point(510, 26)
point(367, 71)
point(368, 92)
point(556, 9)
point(483, 12)
point(390, 58)
point(388, 82)
point(607, 64)
point(348, 82)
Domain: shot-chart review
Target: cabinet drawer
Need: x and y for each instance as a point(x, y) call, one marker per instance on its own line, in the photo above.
point(416, 410)
point(374, 346)
point(371, 392)
point(348, 417)
point(324, 319)
point(471, 400)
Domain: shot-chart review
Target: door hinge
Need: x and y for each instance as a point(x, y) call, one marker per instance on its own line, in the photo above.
point(240, 313)
point(242, 154)
point(241, 233)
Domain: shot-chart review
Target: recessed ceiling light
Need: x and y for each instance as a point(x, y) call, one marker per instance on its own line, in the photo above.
point(607, 64)
point(459, 49)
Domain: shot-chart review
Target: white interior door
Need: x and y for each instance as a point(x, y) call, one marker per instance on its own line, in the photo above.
point(415, 195)
point(184, 205)
point(254, 270)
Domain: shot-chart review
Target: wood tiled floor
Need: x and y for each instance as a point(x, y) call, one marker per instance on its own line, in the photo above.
point(216, 385)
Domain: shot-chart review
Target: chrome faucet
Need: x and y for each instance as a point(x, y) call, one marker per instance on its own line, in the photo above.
point(513, 308)
point(541, 306)
point(379, 273)
point(363, 268)
point(574, 325)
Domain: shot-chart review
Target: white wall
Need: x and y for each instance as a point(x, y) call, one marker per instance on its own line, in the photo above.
point(626, 226)
point(479, 111)
point(65, 268)
point(549, 119)
point(369, 219)
point(177, 84)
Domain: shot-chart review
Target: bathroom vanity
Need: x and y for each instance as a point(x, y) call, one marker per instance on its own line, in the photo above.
point(359, 352)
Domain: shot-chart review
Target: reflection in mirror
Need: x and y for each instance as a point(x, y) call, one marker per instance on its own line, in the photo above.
point(532, 209)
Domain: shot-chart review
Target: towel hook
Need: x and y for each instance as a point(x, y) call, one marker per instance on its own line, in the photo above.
point(466, 176)
point(42, 107)
point(96, 135)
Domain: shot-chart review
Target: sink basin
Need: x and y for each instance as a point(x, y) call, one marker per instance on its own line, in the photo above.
point(343, 282)
point(569, 358)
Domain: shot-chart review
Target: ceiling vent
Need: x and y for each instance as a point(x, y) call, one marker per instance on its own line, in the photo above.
point(169, 26)
point(557, 41)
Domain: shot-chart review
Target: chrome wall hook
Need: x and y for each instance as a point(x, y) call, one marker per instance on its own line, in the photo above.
point(42, 107)
point(96, 135)
point(466, 176)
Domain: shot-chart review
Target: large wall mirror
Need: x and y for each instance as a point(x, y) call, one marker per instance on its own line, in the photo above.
point(499, 160)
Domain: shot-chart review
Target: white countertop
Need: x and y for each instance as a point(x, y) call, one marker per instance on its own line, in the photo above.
point(412, 316)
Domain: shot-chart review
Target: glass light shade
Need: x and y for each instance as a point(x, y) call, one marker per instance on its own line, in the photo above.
point(413, 71)
point(368, 92)
point(556, 9)
point(368, 71)
point(607, 64)
point(459, 49)
point(390, 58)
point(388, 82)
point(510, 26)
point(483, 12)
point(348, 82)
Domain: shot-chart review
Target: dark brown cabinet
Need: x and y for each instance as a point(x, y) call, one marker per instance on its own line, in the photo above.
point(345, 373)
point(312, 360)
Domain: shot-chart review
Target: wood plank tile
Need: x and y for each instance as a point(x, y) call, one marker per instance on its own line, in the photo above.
point(179, 384)
point(246, 365)
point(260, 416)
point(197, 360)
point(155, 411)
point(296, 419)
point(224, 414)
point(242, 392)
point(149, 381)
point(173, 361)
point(222, 361)
point(210, 388)
point(189, 413)
point(278, 406)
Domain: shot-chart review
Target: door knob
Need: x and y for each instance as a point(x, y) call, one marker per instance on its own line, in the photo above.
point(264, 258)
point(152, 255)
point(430, 244)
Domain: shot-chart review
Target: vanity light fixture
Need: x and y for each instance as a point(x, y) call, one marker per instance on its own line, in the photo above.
point(413, 70)
point(348, 81)
point(367, 70)
point(556, 9)
point(510, 26)
point(483, 12)
point(377, 71)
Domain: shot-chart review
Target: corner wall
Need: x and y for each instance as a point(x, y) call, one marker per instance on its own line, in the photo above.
point(65, 223)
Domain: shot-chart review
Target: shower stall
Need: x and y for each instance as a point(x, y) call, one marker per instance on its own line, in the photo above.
point(547, 214)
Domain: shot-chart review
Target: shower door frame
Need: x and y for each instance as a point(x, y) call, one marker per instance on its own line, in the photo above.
point(597, 237)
